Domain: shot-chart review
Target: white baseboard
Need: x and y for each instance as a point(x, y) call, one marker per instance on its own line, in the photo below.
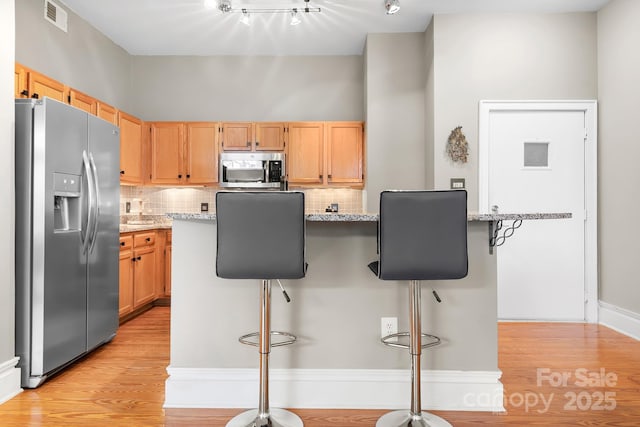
point(333, 389)
point(9, 379)
point(619, 319)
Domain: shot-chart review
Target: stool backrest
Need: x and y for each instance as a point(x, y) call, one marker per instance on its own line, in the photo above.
point(261, 235)
point(423, 235)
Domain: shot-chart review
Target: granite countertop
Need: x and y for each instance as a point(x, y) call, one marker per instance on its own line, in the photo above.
point(128, 228)
point(372, 217)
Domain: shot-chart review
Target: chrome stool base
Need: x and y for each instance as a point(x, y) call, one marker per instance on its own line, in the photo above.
point(277, 418)
point(404, 419)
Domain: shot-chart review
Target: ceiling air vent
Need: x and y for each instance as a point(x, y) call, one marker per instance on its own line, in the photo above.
point(55, 14)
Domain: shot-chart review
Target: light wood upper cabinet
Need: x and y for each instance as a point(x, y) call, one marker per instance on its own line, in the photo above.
point(249, 136)
point(305, 153)
point(269, 136)
point(236, 136)
point(20, 82)
point(40, 86)
point(167, 153)
point(201, 153)
point(107, 112)
point(131, 153)
point(344, 146)
point(83, 101)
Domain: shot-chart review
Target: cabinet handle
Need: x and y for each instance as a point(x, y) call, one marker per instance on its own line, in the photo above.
point(320, 176)
point(329, 176)
point(138, 258)
point(121, 243)
point(24, 93)
point(133, 259)
point(188, 176)
point(180, 176)
point(148, 239)
point(35, 96)
point(121, 172)
point(257, 143)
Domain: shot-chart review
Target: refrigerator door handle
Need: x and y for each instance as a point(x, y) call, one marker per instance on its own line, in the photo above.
point(94, 171)
point(91, 190)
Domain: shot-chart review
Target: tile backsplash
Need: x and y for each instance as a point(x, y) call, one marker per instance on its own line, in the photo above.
point(159, 201)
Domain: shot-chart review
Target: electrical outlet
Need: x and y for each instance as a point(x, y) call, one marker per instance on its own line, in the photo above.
point(204, 207)
point(127, 207)
point(388, 326)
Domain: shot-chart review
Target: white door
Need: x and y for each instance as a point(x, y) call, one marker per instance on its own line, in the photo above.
point(536, 163)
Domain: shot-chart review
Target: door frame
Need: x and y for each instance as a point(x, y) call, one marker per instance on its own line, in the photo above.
point(590, 108)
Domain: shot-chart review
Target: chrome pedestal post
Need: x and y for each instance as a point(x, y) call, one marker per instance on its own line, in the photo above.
point(264, 416)
point(414, 417)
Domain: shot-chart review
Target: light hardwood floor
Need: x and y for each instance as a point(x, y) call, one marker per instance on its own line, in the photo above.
point(122, 383)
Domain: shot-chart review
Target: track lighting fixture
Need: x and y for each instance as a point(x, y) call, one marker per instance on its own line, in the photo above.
point(392, 6)
point(226, 6)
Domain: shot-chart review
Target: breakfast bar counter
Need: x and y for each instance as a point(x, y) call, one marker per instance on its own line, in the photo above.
point(335, 311)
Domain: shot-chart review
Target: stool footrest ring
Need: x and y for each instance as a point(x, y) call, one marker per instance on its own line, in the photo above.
point(245, 339)
point(386, 340)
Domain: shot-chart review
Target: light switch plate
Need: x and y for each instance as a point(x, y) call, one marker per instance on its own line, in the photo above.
point(457, 183)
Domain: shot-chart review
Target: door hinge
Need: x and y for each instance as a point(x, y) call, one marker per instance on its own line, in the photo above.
point(586, 135)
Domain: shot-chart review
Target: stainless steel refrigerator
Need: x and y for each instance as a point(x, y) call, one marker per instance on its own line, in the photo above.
point(67, 214)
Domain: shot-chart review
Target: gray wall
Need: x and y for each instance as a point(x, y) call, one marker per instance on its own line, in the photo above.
point(395, 93)
point(510, 56)
point(252, 88)
point(335, 310)
point(619, 151)
point(7, 222)
point(429, 108)
point(83, 58)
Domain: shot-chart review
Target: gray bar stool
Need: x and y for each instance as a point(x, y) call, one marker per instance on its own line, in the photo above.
point(261, 235)
point(422, 236)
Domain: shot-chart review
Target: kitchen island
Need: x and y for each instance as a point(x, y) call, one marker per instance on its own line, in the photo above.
point(338, 361)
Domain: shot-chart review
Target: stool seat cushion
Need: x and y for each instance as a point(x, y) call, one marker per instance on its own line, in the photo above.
point(261, 235)
point(422, 235)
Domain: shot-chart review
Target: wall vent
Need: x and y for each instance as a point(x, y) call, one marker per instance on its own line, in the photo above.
point(55, 14)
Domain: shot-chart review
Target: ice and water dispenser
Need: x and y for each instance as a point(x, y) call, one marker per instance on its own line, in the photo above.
point(67, 190)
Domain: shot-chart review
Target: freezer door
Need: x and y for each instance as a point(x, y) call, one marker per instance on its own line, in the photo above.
point(58, 311)
point(104, 246)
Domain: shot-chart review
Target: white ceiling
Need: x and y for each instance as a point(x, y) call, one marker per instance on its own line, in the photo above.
point(185, 27)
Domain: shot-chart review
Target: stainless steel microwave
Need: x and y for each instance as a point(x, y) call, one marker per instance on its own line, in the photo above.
point(251, 170)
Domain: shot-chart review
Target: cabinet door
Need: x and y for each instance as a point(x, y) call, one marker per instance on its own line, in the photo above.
point(269, 136)
point(167, 269)
point(144, 276)
point(130, 148)
point(167, 153)
point(20, 82)
point(305, 153)
point(237, 136)
point(344, 152)
point(126, 282)
point(202, 154)
point(40, 86)
point(107, 112)
point(83, 101)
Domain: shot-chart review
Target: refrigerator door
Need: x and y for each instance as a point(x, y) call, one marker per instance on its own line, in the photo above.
point(104, 244)
point(59, 293)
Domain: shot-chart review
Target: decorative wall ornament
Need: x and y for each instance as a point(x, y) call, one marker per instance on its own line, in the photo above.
point(457, 146)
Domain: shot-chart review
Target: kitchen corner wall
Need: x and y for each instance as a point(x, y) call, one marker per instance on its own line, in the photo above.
point(618, 154)
point(9, 375)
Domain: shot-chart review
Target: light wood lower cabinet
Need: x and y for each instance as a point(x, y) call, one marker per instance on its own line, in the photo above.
point(126, 275)
point(137, 270)
point(167, 266)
